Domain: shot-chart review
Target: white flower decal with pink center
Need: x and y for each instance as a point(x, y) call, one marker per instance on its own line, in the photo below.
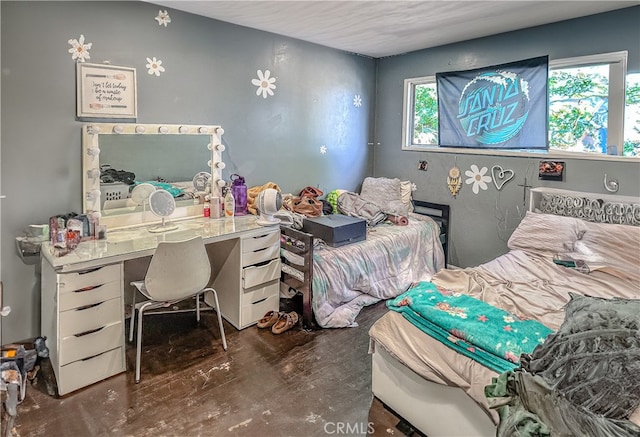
point(79, 50)
point(477, 177)
point(154, 66)
point(163, 18)
point(265, 83)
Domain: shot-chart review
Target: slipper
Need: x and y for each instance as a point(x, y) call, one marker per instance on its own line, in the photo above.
point(285, 322)
point(269, 319)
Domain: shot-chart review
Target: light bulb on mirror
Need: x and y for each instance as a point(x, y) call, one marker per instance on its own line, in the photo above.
point(92, 195)
point(118, 129)
point(140, 129)
point(163, 130)
point(220, 165)
point(220, 148)
point(93, 130)
point(220, 131)
point(203, 130)
point(94, 173)
point(93, 151)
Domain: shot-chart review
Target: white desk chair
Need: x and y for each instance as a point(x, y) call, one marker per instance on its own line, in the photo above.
point(177, 271)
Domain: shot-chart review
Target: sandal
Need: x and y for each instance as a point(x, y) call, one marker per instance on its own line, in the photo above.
point(269, 319)
point(285, 322)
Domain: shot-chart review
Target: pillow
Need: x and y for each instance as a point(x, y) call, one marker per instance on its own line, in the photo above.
point(547, 234)
point(611, 244)
point(406, 188)
point(386, 193)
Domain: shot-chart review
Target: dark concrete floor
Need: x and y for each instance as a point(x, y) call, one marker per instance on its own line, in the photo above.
point(299, 383)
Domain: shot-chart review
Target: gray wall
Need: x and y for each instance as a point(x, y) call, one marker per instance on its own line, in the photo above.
point(482, 223)
point(209, 68)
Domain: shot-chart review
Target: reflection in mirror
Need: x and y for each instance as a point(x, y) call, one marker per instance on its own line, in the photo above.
point(121, 157)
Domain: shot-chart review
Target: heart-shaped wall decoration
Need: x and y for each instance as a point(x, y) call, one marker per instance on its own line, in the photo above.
point(501, 176)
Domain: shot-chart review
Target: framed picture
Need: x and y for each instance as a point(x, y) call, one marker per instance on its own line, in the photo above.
point(106, 91)
point(551, 170)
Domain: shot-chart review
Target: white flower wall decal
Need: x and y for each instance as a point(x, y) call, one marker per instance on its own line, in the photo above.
point(477, 178)
point(265, 83)
point(79, 50)
point(155, 66)
point(357, 101)
point(163, 18)
point(323, 149)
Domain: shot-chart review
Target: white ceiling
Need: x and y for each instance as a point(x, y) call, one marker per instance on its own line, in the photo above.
point(391, 27)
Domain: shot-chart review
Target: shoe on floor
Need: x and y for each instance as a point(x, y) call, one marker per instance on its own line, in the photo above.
point(269, 319)
point(285, 322)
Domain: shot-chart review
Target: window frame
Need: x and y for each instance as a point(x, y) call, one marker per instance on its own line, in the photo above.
point(615, 130)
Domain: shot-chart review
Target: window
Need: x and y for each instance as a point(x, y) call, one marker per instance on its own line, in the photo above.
point(586, 104)
point(632, 116)
point(587, 111)
point(423, 126)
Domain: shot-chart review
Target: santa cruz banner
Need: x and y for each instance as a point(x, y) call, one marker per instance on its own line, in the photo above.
point(498, 107)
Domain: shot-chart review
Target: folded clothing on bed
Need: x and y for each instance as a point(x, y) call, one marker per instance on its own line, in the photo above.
point(490, 335)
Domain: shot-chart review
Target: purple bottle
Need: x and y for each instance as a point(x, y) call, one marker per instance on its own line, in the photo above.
point(239, 191)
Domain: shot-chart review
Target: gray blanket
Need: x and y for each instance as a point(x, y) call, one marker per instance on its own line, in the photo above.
point(584, 380)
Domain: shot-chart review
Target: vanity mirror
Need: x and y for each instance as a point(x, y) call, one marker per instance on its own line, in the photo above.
point(120, 157)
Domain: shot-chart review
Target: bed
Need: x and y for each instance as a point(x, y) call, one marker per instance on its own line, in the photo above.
point(441, 392)
point(336, 283)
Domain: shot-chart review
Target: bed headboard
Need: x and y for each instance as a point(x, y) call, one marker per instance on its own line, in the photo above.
point(593, 207)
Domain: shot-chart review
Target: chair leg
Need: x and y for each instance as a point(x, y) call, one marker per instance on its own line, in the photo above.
point(133, 316)
point(198, 308)
point(139, 342)
point(215, 298)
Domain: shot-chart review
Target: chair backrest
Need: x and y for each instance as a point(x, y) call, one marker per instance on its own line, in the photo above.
point(178, 270)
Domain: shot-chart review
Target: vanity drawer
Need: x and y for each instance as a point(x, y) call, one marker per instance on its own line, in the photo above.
point(261, 255)
point(86, 319)
point(251, 313)
point(77, 280)
point(260, 241)
point(258, 294)
point(89, 295)
point(74, 348)
point(84, 372)
point(256, 275)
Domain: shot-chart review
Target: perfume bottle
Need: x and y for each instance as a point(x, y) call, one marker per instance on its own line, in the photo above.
point(229, 204)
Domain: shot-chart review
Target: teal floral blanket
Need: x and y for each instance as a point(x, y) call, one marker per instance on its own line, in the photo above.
point(490, 335)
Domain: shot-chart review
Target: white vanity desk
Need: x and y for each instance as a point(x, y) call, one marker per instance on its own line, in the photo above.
point(83, 292)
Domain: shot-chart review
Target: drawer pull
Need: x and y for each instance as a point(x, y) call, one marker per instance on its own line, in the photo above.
point(93, 356)
point(259, 301)
point(263, 263)
point(89, 288)
point(89, 271)
point(86, 307)
point(91, 331)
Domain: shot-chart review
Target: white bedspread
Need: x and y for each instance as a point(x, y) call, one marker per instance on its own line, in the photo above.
point(347, 278)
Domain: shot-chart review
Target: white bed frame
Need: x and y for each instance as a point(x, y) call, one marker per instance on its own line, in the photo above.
point(435, 409)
